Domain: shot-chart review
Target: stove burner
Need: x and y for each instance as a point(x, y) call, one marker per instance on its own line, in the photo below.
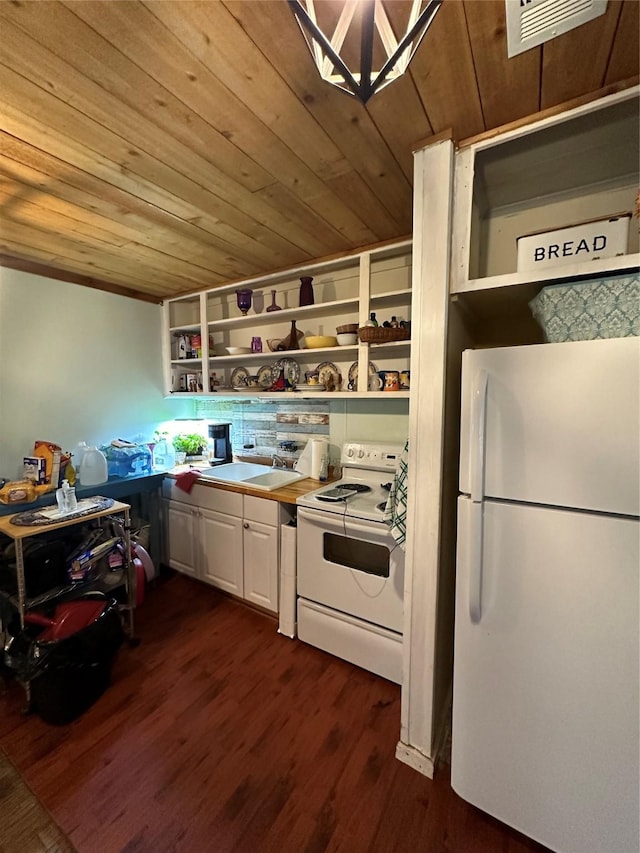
point(354, 487)
point(381, 506)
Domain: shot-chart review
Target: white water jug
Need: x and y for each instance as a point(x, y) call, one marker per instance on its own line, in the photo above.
point(78, 453)
point(93, 468)
point(164, 456)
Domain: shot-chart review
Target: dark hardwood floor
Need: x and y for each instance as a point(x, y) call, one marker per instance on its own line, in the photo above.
point(219, 734)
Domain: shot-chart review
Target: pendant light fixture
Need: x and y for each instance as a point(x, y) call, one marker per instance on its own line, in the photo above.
point(358, 33)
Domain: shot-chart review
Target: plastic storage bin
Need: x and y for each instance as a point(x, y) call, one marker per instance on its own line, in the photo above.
point(68, 672)
point(586, 310)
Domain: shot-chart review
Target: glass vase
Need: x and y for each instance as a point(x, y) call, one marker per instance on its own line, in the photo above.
point(273, 306)
point(243, 299)
point(306, 290)
point(291, 342)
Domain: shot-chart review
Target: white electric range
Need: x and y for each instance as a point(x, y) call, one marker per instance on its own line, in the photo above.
point(350, 570)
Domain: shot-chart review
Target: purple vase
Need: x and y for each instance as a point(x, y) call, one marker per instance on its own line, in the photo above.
point(243, 299)
point(274, 305)
point(306, 290)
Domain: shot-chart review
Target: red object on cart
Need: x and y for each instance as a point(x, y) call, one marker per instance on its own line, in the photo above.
point(68, 619)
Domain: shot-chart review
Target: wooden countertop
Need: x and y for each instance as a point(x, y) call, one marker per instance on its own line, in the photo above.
point(287, 495)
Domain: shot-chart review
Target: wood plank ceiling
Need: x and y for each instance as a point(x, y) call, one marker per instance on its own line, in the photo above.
point(155, 148)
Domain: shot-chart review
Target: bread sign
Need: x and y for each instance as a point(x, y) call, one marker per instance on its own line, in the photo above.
point(601, 238)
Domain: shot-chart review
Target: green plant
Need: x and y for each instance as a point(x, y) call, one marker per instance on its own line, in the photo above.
point(192, 444)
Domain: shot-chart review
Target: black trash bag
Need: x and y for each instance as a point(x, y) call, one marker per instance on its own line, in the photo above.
point(68, 675)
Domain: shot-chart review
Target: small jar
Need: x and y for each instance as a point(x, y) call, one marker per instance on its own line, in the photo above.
point(256, 344)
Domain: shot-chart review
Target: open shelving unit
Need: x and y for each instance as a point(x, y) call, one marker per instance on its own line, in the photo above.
point(570, 168)
point(346, 290)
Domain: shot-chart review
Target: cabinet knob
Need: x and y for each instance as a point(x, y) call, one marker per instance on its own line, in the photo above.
point(246, 525)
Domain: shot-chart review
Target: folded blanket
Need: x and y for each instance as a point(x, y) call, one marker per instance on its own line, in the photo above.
point(395, 513)
point(186, 480)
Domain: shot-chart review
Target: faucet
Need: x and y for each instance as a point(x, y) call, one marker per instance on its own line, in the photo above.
point(278, 462)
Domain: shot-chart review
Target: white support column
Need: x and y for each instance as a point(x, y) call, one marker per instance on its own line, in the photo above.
point(433, 183)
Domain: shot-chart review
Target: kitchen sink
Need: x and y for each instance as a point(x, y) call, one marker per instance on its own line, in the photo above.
point(254, 475)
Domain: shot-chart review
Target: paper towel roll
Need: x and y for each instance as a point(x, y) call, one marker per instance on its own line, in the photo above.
point(318, 450)
point(303, 465)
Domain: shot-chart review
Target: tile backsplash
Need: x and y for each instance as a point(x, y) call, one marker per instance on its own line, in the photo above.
point(261, 428)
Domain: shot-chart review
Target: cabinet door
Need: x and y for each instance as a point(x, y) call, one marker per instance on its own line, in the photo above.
point(261, 564)
point(221, 546)
point(182, 533)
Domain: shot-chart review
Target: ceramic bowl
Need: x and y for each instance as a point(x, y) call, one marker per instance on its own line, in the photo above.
point(238, 350)
point(318, 341)
point(345, 340)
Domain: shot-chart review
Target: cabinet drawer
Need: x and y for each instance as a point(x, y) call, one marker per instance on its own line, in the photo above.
point(205, 497)
point(261, 509)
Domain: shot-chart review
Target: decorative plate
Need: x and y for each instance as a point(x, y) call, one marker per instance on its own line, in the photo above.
point(326, 369)
point(291, 370)
point(353, 374)
point(265, 376)
point(305, 386)
point(239, 378)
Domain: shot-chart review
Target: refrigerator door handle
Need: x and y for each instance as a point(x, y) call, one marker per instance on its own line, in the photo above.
point(474, 551)
point(476, 460)
point(477, 439)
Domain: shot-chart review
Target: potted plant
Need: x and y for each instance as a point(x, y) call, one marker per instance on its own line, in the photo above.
point(193, 444)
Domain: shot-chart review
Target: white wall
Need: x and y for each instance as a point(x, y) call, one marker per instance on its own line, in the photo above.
point(76, 364)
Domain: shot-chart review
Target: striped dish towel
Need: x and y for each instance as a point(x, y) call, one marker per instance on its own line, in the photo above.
point(395, 513)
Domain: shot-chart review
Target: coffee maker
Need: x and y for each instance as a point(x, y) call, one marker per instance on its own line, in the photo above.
point(219, 448)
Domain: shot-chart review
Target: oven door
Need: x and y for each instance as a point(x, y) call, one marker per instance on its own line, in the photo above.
point(351, 565)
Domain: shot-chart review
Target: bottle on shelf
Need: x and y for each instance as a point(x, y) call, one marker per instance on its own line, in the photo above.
point(274, 306)
point(372, 320)
point(306, 290)
point(394, 323)
point(291, 342)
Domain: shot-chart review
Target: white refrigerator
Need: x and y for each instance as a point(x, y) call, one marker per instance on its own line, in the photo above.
point(545, 733)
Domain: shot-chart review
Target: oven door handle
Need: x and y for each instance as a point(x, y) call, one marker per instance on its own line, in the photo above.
point(339, 523)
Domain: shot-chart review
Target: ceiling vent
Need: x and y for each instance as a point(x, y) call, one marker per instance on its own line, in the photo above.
point(532, 22)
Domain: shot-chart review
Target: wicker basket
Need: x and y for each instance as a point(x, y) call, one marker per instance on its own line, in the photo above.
point(349, 329)
point(382, 334)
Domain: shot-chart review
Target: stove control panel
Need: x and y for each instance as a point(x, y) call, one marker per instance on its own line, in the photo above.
point(371, 454)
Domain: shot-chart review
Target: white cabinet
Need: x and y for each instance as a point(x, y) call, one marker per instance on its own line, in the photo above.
point(221, 542)
point(261, 542)
point(229, 540)
point(569, 168)
point(346, 291)
point(182, 537)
